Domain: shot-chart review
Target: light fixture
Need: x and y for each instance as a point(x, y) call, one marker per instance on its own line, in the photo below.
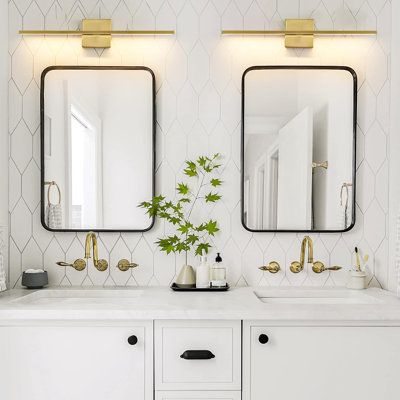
point(96, 33)
point(299, 33)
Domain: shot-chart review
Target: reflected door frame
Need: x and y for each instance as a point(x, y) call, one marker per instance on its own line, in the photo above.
point(75, 109)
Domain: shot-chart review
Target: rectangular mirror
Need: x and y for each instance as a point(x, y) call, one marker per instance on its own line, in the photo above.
point(298, 148)
point(97, 148)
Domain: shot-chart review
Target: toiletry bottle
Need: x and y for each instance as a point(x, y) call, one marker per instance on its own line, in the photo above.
point(218, 273)
point(203, 274)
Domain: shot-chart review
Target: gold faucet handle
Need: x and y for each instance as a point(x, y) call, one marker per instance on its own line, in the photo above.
point(124, 265)
point(102, 265)
point(273, 267)
point(296, 267)
point(78, 264)
point(319, 267)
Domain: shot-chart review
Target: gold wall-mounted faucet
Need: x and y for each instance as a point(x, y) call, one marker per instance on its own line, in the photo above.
point(317, 266)
point(91, 241)
point(298, 266)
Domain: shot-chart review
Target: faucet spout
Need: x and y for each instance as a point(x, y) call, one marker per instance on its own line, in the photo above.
point(91, 241)
point(306, 244)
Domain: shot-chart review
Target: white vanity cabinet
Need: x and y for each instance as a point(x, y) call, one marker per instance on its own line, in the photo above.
point(314, 363)
point(77, 362)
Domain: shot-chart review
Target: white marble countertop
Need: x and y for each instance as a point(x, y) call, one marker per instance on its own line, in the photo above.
point(368, 307)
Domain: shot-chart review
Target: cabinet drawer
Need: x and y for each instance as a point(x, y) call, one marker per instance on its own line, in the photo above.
point(206, 395)
point(198, 355)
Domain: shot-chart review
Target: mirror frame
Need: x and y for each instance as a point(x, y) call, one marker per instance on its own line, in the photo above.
point(354, 150)
point(42, 134)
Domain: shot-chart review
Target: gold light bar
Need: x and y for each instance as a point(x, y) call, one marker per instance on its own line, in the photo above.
point(299, 33)
point(96, 33)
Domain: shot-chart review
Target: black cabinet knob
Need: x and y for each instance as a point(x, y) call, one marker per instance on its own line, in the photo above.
point(263, 339)
point(132, 340)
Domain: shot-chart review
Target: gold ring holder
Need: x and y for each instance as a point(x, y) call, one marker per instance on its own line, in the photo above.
point(50, 184)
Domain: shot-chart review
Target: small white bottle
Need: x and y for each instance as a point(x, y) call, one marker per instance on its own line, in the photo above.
point(203, 274)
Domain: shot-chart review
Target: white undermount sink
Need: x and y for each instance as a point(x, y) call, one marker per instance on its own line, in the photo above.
point(314, 296)
point(79, 296)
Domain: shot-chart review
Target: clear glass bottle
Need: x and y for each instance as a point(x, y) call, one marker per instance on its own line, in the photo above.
point(218, 273)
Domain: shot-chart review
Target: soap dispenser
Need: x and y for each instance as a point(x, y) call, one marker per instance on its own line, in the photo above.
point(203, 274)
point(218, 273)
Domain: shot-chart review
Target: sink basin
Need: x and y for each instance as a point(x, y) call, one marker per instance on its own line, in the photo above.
point(313, 296)
point(80, 297)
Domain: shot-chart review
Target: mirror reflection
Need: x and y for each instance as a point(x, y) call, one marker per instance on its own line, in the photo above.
point(298, 155)
point(97, 147)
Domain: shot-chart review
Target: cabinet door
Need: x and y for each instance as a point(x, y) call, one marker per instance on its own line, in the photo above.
point(314, 363)
point(76, 363)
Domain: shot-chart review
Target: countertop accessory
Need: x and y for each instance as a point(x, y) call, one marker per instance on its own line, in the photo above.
point(218, 273)
point(186, 278)
point(34, 279)
point(199, 191)
point(357, 280)
point(178, 288)
point(358, 262)
point(203, 273)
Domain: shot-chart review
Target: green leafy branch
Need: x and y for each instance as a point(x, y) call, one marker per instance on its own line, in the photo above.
point(189, 236)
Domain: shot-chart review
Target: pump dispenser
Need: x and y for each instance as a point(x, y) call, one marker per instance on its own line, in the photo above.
point(218, 273)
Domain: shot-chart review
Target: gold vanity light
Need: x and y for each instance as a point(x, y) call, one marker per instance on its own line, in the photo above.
point(299, 33)
point(96, 33)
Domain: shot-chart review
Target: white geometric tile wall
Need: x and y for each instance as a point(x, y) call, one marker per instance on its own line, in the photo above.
point(198, 76)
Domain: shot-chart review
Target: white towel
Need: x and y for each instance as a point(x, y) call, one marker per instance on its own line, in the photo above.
point(3, 285)
point(397, 259)
point(54, 216)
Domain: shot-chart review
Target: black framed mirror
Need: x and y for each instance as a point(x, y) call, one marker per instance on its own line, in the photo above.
point(97, 148)
point(298, 153)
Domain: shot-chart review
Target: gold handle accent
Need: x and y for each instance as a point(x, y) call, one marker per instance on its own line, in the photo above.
point(322, 164)
point(319, 267)
point(273, 267)
point(124, 265)
point(78, 264)
point(296, 267)
point(102, 265)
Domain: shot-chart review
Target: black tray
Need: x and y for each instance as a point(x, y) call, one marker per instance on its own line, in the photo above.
point(176, 288)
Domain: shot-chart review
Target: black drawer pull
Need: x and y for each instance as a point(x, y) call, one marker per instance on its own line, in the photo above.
point(197, 355)
point(132, 340)
point(263, 339)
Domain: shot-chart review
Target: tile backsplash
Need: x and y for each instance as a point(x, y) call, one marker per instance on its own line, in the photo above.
point(198, 76)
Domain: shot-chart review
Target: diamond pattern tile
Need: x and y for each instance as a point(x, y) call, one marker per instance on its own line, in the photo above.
point(198, 102)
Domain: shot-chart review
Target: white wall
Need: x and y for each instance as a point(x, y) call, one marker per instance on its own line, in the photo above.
point(4, 60)
point(198, 76)
point(394, 177)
